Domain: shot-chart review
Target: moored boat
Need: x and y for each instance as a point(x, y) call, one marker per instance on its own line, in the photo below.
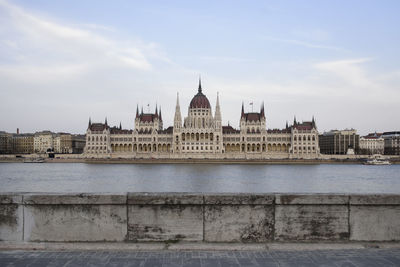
point(377, 162)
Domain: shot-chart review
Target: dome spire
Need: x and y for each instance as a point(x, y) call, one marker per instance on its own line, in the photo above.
point(200, 89)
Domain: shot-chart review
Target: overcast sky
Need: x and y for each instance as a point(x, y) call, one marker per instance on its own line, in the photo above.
point(62, 62)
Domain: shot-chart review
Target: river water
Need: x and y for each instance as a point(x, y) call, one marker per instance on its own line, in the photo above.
point(212, 178)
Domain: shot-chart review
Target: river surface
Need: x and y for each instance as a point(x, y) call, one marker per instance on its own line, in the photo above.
point(216, 178)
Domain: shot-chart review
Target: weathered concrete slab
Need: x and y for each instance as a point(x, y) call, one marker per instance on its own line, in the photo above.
point(11, 222)
point(57, 199)
point(165, 199)
point(311, 199)
point(311, 222)
point(375, 223)
point(238, 223)
point(75, 223)
point(165, 222)
point(10, 198)
point(239, 199)
point(377, 199)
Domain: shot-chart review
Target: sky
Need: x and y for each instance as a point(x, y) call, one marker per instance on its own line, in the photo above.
point(62, 62)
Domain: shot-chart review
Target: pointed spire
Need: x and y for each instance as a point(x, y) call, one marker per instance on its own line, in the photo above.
point(242, 115)
point(137, 111)
point(294, 121)
point(262, 110)
point(159, 114)
point(156, 112)
point(90, 122)
point(217, 109)
point(141, 112)
point(313, 122)
point(200, 89)
point(287, 126)
point(105, 122)
point(177, 118)
point(120, 126)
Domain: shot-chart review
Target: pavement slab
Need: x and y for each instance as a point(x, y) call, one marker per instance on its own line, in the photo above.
point(165, 258)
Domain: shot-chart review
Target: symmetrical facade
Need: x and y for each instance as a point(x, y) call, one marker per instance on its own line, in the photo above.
point(201, 135)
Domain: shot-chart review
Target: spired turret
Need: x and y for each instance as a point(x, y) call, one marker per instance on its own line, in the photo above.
point(177, 117)
point(148, 122)
point(217, 117)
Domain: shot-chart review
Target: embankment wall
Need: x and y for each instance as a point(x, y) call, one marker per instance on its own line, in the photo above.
point(167, 217)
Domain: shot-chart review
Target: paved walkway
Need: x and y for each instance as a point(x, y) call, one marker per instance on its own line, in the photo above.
point(349, 257)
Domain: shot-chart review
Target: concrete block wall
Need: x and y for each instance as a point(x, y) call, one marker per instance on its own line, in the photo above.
point(165, 217)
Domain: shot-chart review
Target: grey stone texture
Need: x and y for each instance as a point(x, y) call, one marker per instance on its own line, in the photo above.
point(164, 199)
point(311, 222)
point(11, 222)
point(238, 223)
point(377, 199)
point(11, 217)
point(238, 217)
point(75, 223)
point(380, 223)
point(165, 217)
point(310, 199)
point(165, 222)
point(170, 217)
point(75, 199)
point(239, 199)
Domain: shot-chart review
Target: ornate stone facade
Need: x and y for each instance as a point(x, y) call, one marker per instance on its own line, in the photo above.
point(201, 135)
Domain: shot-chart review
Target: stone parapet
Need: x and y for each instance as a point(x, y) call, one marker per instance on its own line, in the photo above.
point(171, 217)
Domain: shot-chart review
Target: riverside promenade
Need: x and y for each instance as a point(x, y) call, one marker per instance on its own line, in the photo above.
point(189, 229)
point(309, 258)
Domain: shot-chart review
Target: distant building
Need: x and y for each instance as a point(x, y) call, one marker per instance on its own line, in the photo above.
point(392, 143)
point(338, 142)
point(43, 142)
point(23, 143)
point(201, 135)
point(66, 143)
point(6, 141)
point(372, 143)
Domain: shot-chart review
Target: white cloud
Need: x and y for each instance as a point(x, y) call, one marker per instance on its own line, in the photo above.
point(305, 44)
point(47, 44)
point(350, 70)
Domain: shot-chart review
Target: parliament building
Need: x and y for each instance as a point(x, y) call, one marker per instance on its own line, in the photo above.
point(202, 135)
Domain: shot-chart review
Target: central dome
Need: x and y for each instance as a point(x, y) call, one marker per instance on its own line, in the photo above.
point(200, 100)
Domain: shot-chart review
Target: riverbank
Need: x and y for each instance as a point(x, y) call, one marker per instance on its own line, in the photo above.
point(281, 161)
